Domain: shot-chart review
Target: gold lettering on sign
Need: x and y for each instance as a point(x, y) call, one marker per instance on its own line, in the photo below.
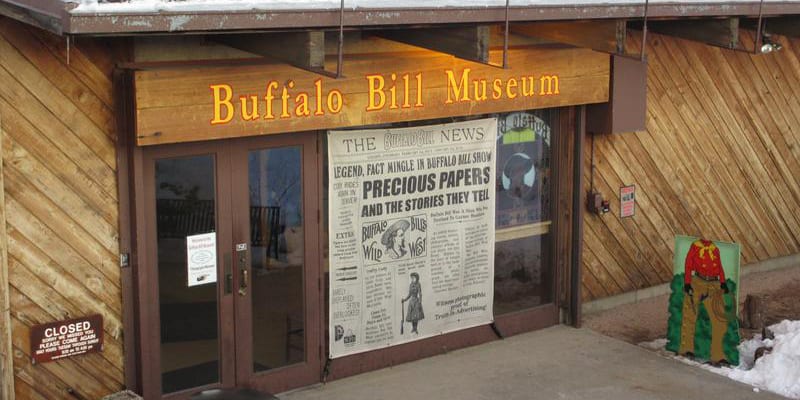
point(550, 82)
point(377, 95)
point(219, 101)
point(384, 92)
point(272, 85)
point(458, 87)
point(290, 103)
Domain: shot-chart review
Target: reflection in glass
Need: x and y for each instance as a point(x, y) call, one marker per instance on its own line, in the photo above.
point(276, 235)
point(185, 206)
point(523, 272)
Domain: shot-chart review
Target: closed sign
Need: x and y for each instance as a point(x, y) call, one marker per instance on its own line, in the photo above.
point(53, 341)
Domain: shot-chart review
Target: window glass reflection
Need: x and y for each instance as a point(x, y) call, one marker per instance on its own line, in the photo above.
point(185, 208)
point(277, 253)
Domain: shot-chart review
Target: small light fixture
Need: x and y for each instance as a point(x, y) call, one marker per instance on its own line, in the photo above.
point(767, 45)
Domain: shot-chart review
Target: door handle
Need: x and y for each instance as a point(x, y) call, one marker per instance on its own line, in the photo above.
point(241, 253)
point(243, 283)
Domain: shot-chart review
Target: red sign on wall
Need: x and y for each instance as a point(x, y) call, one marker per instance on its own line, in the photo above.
point(56, 340)
point(627, 199)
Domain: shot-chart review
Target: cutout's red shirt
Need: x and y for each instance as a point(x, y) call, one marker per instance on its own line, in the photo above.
point(703, 258)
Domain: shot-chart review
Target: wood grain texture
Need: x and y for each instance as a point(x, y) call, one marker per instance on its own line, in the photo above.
point(60, 220)
point(600, 35)
point(177, 105)
point(6, 362)
point(720, 159)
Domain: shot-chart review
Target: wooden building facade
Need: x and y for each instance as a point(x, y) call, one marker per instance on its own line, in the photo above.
point(60, 209)
point(87, 123)
point(719, 159)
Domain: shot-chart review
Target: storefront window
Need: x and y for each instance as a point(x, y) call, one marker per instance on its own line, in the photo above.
point(523, 237)
point(523, 271)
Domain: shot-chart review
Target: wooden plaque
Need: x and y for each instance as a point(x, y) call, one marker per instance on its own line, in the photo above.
point(56, 340)
point(192, 104)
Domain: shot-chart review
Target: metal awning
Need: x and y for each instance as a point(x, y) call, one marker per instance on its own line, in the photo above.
point(191, 16)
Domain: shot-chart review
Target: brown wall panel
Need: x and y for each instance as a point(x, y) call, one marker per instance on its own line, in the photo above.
point(720, 159)
point(59, 175)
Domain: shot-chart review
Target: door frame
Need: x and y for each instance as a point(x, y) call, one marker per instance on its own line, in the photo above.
point(143, 254)
point(148, 273)
point(301, 374)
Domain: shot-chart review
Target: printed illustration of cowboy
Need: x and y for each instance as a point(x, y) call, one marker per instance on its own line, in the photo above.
point(395, 239)
point(704, 283)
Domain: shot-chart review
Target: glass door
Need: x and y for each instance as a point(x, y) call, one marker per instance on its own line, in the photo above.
point(276, 227)
point(189, 272)
point(232, 279)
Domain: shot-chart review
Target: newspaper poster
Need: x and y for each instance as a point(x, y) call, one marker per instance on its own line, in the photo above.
point(411, 233)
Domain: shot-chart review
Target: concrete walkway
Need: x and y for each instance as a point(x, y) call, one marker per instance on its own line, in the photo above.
point(555, 363)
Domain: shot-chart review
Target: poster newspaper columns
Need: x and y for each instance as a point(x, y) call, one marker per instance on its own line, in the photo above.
point(411, 233)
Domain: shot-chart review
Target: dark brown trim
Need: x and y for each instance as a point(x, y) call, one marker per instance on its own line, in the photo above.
point(561, 147)
point(203, 21)
point(32, 17)
point(49, 7)
point(122, 82)
point(528, 320)
point(577, 221)
point(144, 337)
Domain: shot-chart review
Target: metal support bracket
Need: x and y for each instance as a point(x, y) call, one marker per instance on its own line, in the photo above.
point(644, 31)
point(505, 38)
point(340, 51)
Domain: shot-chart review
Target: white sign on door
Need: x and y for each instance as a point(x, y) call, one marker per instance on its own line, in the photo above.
point(201, 259)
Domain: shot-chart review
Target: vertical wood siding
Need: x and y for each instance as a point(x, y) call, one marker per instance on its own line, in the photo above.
point(61, 204)
point(720, 159)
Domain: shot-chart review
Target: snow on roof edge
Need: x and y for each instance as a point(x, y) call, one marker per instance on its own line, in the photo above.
point(193, 6)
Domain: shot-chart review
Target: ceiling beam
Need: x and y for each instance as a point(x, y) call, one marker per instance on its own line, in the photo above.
point(607, 36)
point(469, 42)
point(721, 32)
point(304, 50)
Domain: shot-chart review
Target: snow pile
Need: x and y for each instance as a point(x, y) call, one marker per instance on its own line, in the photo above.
point(657, 345)
point(777, 371)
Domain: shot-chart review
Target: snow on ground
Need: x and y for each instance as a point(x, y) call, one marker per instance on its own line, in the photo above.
point(777, 371)
point(155, 6)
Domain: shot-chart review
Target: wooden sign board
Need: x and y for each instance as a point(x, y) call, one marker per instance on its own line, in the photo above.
point(56, 340)
point(181, 105)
